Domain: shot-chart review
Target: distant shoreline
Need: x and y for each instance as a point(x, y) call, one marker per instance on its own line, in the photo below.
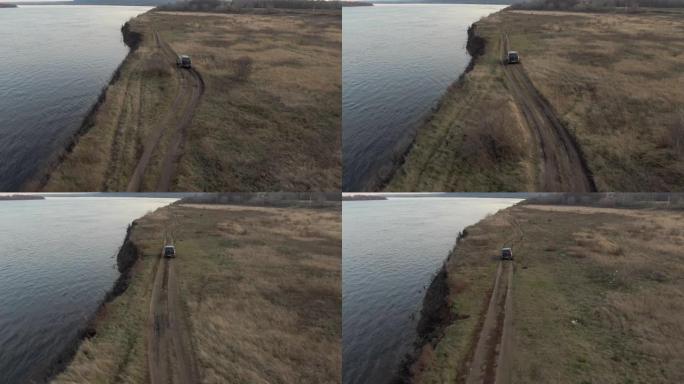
point(125, 3)
point(464, 2)
point(362, 198)
point(21, 197)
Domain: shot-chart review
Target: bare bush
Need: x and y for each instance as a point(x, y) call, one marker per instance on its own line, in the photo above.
point(243, 68)
point(491, 141)
point(156, 66)
point(674, 134)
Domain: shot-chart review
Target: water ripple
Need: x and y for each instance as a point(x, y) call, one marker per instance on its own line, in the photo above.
point(54, 65)
point(56, 263)
point(397, 61)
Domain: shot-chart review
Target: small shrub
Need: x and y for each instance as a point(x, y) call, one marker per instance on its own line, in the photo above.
point(243, 68)
point(673, 136)
point(157, 66)
point(491, 142)
point(426, 356)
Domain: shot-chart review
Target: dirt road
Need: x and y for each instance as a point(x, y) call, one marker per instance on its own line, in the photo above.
point(562, 168)
point(170, 355)
point(491, 360)
point(173, 125)
point(488, 364)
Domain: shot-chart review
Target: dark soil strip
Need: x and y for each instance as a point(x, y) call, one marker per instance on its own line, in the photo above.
point(435, 316)
point(494, 341)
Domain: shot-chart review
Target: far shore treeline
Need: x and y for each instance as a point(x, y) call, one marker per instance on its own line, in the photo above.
point(20, 197)
point(209, 5)
point(237, 5)
point(650, 200)
point(362, 197)
point(596, 5)
point(306, 199)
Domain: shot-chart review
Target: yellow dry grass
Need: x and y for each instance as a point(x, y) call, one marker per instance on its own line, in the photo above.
point(269, 118)
point(105, 156)
point(476, 140)
point(261, 288)
point(612, 78)
point(596, 295)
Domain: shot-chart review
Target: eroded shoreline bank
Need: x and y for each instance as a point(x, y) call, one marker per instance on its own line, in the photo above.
point(126, 257)
point(475, 46)
point(170, 305)
point(435, 316)
point(165, 128)
point(551, 122)
point(580, 263)
point(132, 40)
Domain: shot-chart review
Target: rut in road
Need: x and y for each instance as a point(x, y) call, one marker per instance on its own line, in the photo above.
point(492, 358)
point(174, 123)
point(562, 167)
point(171, 358)
point(124, 136)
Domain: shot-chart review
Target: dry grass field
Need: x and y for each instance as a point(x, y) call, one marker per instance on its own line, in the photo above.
point(268, 119)
point(104, 157)
point(597, 297)
point(261, 289)
point(611, 78)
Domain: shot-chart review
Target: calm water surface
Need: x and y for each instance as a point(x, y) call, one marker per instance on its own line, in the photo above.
point(57, 260)
point(55, 61)
point(390, 252)
point(397, 60)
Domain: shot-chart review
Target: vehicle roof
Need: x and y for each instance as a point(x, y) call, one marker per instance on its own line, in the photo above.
point(184, 56)
point(512, 52)
point(505, 249)
point(169, 246)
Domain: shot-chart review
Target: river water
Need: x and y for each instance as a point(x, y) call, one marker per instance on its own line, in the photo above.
point(57, 260)
point(391, 249)
point(397, 60)
point(55, 61)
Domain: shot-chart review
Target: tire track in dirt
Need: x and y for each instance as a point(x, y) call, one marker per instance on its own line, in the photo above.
point(562, 167)
point(171, 359)
point(487, 362)
point(125, 119)
point(175, 149)
point(491, 361)
point(460, 111)
point(176, 120)
point(458, 115)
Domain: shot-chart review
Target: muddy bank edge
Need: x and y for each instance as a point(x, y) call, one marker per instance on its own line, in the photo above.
point(128, 254)
point(475, 46)
point(132, 39)
point(435, 316)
